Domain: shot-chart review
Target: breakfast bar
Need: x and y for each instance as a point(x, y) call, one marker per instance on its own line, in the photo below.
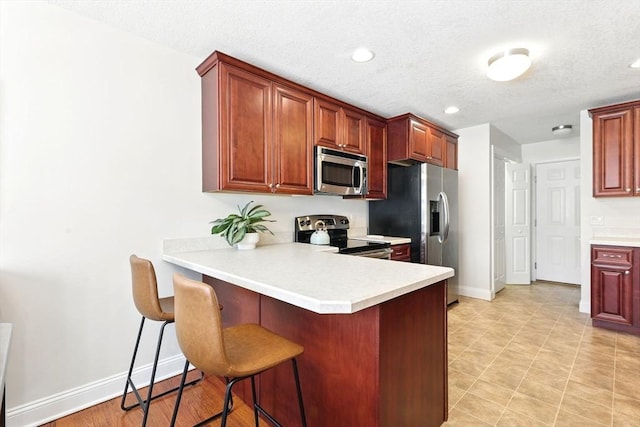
point(374, 331)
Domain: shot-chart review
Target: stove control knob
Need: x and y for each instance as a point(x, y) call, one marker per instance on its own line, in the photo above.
point(307, 222)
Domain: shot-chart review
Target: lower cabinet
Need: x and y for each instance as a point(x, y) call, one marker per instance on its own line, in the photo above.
point(615, 288)
point(401, 252)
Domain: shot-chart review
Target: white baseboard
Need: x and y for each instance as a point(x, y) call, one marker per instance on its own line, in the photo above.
point(484, 294)
point(585, 306)
point(67, 402)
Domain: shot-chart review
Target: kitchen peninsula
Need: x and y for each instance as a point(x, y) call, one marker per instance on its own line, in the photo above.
point(374, 331)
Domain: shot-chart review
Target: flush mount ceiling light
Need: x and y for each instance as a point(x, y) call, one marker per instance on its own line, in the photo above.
point(451, 110)
point(362, 55)
point(508, 64)
point(635, 64)
point(561, 130)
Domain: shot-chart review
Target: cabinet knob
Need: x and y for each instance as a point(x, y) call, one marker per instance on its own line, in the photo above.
point(277, 185)
point(628, 190)
point(627, 272)
point(270, 185)
point(638, 190)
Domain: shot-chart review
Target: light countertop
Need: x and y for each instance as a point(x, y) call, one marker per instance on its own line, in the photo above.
point(616, 241)
point(387, 239)
point(311, 277)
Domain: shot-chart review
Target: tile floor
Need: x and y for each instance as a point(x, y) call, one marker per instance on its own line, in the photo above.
point(530, 358)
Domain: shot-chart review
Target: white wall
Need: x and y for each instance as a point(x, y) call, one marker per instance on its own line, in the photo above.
point(99, 158)
point(553, 150)
point(475, 183)
point(474, 187)
point(505, 146)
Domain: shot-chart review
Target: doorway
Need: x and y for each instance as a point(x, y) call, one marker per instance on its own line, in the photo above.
point(557, 231)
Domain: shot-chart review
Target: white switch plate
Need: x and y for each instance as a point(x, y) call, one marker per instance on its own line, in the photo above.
point(597, 220)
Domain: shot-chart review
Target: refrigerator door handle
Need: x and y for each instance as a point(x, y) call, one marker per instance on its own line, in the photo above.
point(444, 201)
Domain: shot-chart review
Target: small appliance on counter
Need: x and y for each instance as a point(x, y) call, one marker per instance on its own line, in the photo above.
point(321, 235)
point(312, 229)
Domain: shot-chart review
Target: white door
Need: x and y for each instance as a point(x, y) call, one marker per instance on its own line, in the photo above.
point(518, 223)
point(558, 221)
point(498, 224)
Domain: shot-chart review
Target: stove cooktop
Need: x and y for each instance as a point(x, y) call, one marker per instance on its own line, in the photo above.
point(336, 226)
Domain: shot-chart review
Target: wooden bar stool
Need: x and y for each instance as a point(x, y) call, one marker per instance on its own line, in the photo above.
point(235, 353)
point(150, 306)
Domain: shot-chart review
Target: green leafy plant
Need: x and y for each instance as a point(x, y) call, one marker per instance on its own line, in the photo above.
point(235, 226)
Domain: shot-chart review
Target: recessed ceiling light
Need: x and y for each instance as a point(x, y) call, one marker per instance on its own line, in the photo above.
point(561, 130)
point(451, 110)
point(508, 64)
point(635, 64)
point(362, 55)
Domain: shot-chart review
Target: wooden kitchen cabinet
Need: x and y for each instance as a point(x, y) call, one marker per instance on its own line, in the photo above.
point(451, 157)
point(415, 140)
point(376, 137)
point(616, 150)
point(401, 252)
point(339, 127)
point(615, 288)
point(257, 131)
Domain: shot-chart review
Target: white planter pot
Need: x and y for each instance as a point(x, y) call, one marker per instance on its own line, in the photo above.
point(249, 241)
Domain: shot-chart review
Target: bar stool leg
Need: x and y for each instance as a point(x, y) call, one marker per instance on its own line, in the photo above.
point(129, 381)
point(299, 390)
point(144, 404)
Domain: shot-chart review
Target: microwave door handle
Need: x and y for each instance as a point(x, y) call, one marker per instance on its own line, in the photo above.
point(361, 169)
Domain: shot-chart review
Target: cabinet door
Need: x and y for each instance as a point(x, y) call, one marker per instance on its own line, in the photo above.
point(613, 154)
point(327, 123)
point(437, 147)
point(353, 126)
point(451, 157)
point(636, 150)
point(612, 285)
point(418, 141)
point(401, 252)
point(377, 157)
point(293, 141)
point(245, 131)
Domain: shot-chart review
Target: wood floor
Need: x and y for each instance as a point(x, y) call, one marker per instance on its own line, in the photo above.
point(199, 402)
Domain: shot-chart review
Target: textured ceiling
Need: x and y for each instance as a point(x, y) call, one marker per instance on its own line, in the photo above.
point(429, 54)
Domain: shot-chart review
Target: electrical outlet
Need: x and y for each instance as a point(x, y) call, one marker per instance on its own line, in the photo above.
point(597, 220)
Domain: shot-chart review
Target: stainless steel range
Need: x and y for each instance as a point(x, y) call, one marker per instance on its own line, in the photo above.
point(336, 227)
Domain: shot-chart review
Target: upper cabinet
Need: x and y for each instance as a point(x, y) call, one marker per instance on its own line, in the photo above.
point(338, 126)
point(257, 132)
point(376, 138)
point(415, 140)
point(616, 150)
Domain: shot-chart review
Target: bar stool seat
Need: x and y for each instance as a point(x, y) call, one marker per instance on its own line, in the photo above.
point(145, 297)
point(235, 353)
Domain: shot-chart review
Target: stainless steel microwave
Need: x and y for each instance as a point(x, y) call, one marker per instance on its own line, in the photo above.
point(339, 173)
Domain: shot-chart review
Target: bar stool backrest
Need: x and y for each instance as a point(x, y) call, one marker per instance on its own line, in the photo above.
point(199, 326)
point(145, 290)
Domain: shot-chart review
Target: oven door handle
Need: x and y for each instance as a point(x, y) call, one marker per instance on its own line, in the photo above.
point(377, 253)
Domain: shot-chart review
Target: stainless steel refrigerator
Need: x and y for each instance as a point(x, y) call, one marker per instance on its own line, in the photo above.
point(422, 203)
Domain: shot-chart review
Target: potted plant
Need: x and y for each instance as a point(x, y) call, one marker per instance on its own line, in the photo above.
point(242, 229)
